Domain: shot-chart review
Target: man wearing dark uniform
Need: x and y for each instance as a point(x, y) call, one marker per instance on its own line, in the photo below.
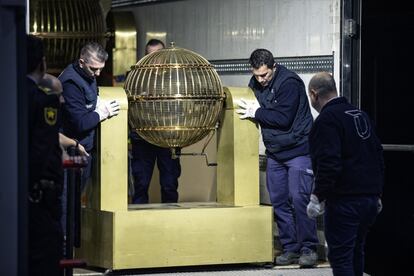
point(347, 159)
point(45, 168)
point(144, 156)
point(83, 110)
point(283, 113)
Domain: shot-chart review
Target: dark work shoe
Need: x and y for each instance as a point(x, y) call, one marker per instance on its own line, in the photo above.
point(308, 259)
point(287, 258)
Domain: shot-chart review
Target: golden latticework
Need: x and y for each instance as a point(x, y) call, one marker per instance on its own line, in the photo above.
point(65, 26)
point(175, 97)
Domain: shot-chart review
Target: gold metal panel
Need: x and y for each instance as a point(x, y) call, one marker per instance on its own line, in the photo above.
point(238, 154)
point(110, 191)
point(183, 237)
point(125, 51)
point(97, 236)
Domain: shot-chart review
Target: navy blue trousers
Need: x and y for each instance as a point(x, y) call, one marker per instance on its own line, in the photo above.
point(45, 236)
point(143, 160)
point(347, 221)
point(290, 184)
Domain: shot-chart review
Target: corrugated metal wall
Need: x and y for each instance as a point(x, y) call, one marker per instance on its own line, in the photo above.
point(232, 29)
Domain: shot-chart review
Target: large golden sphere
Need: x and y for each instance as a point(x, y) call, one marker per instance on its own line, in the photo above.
point(65, 26)
point(175, 97)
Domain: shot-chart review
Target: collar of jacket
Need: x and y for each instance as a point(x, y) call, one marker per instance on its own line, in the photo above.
point(333, 101)
point(82, 73)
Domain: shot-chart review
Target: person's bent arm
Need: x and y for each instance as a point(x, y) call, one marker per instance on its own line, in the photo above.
point(80, 116)
point(282, 110)
point(67, 142)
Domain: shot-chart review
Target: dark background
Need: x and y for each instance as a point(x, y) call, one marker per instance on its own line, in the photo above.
point(387, 94)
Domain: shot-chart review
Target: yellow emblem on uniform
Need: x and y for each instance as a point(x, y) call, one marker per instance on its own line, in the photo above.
point(50, 115)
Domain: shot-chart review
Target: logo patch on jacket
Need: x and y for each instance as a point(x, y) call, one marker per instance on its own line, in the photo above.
point(50, 115)
point(362, 125)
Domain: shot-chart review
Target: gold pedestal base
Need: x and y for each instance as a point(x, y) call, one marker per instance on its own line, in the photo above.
point(190, 234)
point(235, 229)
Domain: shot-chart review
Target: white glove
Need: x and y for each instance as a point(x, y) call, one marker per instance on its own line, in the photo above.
point(107, 109)
point(113, 107)
point(315, 208)
point(248, 108)
point(379, 207)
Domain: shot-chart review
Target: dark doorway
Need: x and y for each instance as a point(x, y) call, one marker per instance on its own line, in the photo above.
point(387, 94)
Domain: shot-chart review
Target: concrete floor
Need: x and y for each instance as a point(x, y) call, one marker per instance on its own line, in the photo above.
point(322, 269)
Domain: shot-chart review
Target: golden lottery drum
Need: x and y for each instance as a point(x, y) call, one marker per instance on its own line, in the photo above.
point(175, 97)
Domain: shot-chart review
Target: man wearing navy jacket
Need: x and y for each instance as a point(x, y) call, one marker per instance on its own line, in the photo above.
point(348, 165)
point(83, 111)
point(283, 113)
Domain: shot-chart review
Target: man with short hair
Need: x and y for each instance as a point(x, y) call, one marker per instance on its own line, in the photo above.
point(83, 111)
point(283, 113)
point(348, 163)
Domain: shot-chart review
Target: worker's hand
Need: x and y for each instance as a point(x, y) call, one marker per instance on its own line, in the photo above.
point(113, 108)
point(248, 108)
point(315, 208)
point(101, 109)
point(98, 101)
point(107, 109)
point(379, 206)
point(74, 157)
point(82, 151)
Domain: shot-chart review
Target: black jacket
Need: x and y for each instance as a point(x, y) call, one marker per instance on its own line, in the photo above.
point(45, 154)
point(284, 117)
point(346, 154)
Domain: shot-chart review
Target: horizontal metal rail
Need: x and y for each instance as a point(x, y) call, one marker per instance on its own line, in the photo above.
point(386, 147)
point(298, 64)
point(398, 147)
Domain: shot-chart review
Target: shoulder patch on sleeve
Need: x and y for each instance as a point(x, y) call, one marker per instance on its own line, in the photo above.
point(45, 90)
point(50, 115)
